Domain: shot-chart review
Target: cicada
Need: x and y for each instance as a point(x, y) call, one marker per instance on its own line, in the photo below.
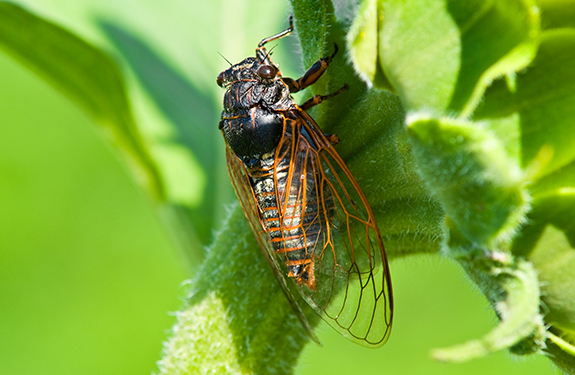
point(311, 219)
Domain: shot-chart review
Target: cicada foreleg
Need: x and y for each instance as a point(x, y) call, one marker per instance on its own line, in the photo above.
point(315, 100)
point(261, 52)
point(311, 75)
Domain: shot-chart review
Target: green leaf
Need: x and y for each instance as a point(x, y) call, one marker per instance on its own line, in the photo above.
point(442, 54)
point(546, 93)
point(553, 182)
point(554, 258)
point(374, 142)
point(562, 353)
point(468, 169)
point(548, 240)
point(316, 30)
point(363, 44)
point(87, 76)
point(409, 218)
point(542, 101)
point(557, 13)
point(191, 148)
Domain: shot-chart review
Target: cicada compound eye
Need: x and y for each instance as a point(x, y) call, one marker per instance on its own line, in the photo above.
point(220, 79)
point(267, 71)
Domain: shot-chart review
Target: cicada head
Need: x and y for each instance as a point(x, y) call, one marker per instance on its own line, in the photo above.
point(242, 71)
point(250, 69)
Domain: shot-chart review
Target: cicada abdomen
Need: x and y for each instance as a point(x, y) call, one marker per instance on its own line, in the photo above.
point(295, 206)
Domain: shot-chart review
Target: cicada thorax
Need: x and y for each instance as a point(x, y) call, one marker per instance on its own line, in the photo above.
point(252, 122)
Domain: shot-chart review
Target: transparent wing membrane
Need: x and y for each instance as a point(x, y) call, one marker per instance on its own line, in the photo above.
point(353, 291)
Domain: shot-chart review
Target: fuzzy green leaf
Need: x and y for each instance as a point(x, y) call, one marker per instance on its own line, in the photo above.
point(548, 240)
point(363, 44)
point(316, 30)
point(562, 353)
point(238, 321)
point(554, 257)
point(467, 168)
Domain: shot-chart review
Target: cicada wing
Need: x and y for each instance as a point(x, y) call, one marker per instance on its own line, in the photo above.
point(353, 284)
point(246, 197)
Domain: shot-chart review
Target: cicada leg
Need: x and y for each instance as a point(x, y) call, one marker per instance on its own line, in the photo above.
point(311, 75)
point(261, 52)
point(313, 101)
point(332, 138)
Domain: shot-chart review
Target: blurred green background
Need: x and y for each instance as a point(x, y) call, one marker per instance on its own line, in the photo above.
point(89, 274)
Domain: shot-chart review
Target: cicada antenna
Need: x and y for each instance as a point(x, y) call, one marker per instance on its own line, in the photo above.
point(223, 57)
point(268, 54)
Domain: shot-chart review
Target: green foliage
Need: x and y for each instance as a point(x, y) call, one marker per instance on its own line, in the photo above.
point(469, 172)
point(457, 125)
point(85, 288)
point(85, 74)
